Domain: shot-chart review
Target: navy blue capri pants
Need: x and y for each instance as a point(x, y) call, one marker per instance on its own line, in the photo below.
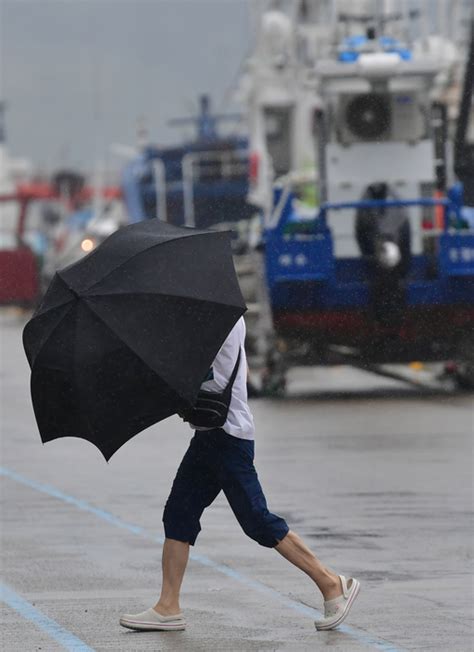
point(215, 461)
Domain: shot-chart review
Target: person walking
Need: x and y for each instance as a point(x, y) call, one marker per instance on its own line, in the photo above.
point(221, 458)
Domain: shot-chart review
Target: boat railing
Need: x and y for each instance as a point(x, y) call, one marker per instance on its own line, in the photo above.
point(303, 250)
point(282, 213)
point(449, 207)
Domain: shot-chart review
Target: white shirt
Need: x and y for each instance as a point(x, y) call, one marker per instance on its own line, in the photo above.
point(239, 419)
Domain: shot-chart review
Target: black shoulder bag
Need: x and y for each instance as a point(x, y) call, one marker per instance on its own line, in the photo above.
point(211, 408)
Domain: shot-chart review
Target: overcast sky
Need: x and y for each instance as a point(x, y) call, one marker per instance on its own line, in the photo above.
point(76, 74)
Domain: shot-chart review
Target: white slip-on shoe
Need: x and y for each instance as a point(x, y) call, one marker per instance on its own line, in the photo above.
point(151, 620)
point(336, 610)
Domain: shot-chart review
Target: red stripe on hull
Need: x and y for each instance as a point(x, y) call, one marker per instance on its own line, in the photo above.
point(355, 327)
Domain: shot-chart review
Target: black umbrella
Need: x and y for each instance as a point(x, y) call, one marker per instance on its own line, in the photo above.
point(124, 337)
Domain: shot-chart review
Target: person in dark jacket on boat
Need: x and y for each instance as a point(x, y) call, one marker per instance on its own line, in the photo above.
point(384, 239)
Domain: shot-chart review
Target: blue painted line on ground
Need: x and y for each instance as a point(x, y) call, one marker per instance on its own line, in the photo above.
point(49, 626)
point(361, 637)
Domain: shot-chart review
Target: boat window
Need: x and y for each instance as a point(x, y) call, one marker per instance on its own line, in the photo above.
point(278, 127)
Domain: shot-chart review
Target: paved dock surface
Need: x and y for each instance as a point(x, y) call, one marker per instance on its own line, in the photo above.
point(377, 479)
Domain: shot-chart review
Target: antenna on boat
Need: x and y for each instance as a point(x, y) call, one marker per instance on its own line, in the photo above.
point(206, 122)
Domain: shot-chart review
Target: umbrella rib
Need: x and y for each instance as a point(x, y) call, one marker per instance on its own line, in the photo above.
point(41, 311)
point(157, 244)
point(133, 350)
point(51, 333)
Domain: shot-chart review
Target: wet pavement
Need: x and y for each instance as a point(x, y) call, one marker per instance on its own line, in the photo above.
point(376, 478)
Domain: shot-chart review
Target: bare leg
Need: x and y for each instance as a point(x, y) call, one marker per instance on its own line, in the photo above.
point(173, 561)
point(293, 548)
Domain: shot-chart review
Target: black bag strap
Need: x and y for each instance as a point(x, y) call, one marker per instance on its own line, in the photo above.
point(226, 392)
point(228, 388)
point(231, 380)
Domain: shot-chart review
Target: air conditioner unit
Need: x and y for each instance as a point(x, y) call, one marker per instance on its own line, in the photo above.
point(379, 117)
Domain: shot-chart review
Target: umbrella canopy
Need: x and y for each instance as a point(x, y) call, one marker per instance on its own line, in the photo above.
point(124, 337)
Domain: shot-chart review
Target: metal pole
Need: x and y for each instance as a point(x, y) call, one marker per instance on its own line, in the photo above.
point(322, 138)
point(188, 189)
point(439, 126)
point(321, 135)
point(463, 149)
point(160, 189)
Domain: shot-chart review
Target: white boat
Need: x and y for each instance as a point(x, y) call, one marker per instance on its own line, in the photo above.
point(410, 52)
point(361, 88)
